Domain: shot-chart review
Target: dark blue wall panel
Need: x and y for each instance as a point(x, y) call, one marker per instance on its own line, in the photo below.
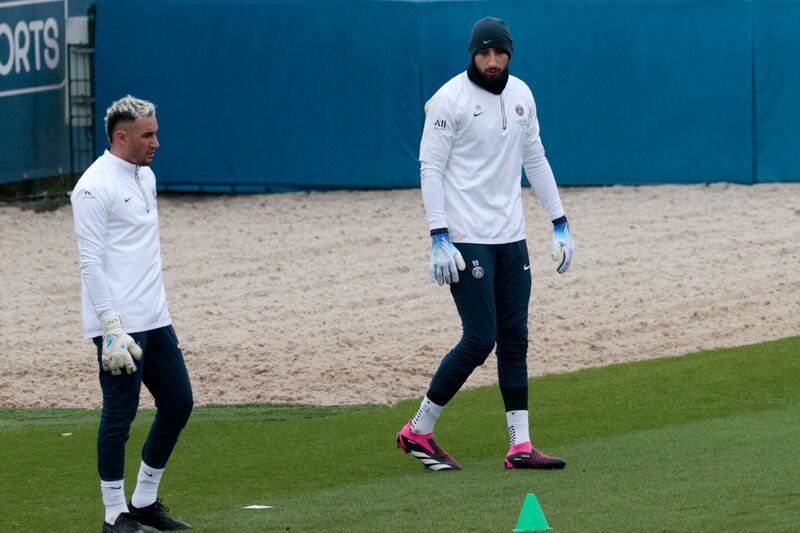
point(639, 93)
point(777, 69)
point(627, 92)
point(274, 94)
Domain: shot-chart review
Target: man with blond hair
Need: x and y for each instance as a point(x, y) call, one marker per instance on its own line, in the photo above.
point(125, 313)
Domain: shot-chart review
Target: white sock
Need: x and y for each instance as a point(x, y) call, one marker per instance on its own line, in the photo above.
point(426, 417)
point(518, 427)
point(114, 499)
point(146, 486)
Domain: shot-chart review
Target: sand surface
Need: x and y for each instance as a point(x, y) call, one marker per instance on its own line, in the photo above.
point(323, 298)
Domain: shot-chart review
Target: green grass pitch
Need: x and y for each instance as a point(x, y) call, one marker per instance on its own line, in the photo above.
point(704, 442)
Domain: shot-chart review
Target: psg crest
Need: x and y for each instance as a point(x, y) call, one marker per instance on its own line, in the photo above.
point(520, 110)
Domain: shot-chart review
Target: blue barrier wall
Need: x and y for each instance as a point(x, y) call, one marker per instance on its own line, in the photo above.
point(627, 92)
point(322, 93)
point(777, 89)
point(278, 94)
point(34, 135)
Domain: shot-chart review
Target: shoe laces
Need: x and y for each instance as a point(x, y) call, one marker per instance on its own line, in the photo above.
point(160, 506)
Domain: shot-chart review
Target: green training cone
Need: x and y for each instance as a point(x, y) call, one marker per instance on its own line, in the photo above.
point(531, 517)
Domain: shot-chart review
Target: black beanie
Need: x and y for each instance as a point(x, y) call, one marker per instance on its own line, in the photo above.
point(490, 33)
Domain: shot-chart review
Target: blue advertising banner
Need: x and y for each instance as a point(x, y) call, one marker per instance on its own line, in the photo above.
point(32, 52)
point(34, 139)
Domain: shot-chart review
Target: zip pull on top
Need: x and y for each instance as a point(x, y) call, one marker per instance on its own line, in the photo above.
point(503, 110)
point(144, 195)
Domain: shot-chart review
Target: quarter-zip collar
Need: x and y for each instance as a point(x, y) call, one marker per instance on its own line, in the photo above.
point(497, 87)
point(129, 169)
point(123, 165)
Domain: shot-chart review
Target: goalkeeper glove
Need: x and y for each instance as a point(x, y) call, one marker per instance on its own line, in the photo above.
point(119, 348)
point(446, 260)
point(563, 245)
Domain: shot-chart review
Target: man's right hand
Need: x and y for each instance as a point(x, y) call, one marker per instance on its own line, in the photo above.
point(446, 260)
point(119, 348)
point(563, 246)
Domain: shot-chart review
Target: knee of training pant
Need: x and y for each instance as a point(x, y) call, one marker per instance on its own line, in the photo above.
point(115, 426)
point(475, 349)
point(176, 407)
point(188, 406)
point(513, 341)
point(512, 350)
point(119, 416)
point(179, 412)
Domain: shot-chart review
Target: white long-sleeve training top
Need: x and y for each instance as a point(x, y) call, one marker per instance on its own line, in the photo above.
point(116, 223)
point(473, 148)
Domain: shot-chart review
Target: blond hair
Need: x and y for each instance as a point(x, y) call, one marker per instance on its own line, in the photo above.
point(127, 109)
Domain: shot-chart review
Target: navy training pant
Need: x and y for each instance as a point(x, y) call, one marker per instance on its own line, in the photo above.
point(492, 298)
point(163, 371)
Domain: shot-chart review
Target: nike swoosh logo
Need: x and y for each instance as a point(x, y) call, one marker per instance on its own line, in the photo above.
point(526, 267)
point(147, 473)
point(487, 42)
point(115, 488)
point(128, 198)
point(477, 114)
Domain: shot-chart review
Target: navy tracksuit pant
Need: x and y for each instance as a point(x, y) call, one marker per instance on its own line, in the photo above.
point(492, 299)
point(163, 372)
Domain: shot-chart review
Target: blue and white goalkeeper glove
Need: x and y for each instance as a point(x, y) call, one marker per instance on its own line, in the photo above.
point(119, 348)
point(446, 260)
point(563, 245)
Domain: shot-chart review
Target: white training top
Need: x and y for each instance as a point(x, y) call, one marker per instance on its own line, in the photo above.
point(116, 223)
point(474, 145)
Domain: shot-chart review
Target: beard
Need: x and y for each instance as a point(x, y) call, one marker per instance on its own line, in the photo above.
point(494, 85)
